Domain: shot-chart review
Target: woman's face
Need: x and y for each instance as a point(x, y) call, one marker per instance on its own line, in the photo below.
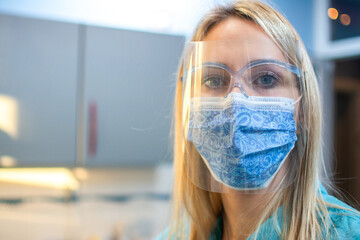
point(247, 43)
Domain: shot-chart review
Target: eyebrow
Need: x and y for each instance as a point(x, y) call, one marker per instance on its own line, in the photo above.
point(254, 62)
point(263, 60)
point(250, 62)
point(289, 66)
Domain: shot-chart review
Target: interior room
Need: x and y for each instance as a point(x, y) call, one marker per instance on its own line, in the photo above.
point(86, 110)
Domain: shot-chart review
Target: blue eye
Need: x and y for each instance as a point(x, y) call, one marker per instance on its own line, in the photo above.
point(266, 80)
point(213, 81)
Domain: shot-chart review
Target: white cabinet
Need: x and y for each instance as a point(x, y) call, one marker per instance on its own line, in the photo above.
point(129, 87)
point(38, 78)
point(70, 93)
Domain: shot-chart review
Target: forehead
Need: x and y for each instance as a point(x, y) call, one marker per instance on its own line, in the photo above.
point(235, 42)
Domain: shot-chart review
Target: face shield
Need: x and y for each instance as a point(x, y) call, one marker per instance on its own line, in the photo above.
point(239, 116)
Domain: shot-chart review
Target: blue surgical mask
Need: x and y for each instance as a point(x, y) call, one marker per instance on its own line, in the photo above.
point(243, 140)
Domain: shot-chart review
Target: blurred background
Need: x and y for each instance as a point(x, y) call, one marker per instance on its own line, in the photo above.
point(86, 95)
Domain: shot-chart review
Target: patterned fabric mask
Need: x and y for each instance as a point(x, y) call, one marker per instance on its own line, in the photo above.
point(243, 140)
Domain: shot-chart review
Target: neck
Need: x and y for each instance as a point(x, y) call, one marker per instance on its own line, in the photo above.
point(241, 213)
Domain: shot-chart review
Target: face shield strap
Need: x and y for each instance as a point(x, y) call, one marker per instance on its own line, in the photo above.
point(299, 52)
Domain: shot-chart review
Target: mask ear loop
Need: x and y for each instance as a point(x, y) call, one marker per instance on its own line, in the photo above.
point(297, 100)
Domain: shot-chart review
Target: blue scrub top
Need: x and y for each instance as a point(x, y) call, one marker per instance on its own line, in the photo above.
point(346, 224)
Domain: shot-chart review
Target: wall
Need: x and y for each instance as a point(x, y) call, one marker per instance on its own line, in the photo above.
point(300, 14)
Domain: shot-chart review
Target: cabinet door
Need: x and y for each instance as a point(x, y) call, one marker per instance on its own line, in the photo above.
point(130, 82)
point(38, 71)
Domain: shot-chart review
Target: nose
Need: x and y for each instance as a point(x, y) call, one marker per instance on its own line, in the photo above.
point(236, 88)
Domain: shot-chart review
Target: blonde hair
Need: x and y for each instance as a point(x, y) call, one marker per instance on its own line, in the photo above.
point(305, 212)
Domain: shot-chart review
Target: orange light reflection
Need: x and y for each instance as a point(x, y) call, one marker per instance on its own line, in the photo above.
point(345, 19)
point(333, 13)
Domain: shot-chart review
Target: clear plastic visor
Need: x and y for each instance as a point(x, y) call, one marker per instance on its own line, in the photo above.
point(239, 118)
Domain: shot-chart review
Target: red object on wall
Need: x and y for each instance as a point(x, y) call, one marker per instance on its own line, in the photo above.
point(93, 129)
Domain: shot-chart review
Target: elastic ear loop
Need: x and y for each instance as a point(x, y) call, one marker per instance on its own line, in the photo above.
point(297, 100)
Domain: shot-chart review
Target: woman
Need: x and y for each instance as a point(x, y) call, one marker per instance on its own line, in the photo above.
point(247, 134)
